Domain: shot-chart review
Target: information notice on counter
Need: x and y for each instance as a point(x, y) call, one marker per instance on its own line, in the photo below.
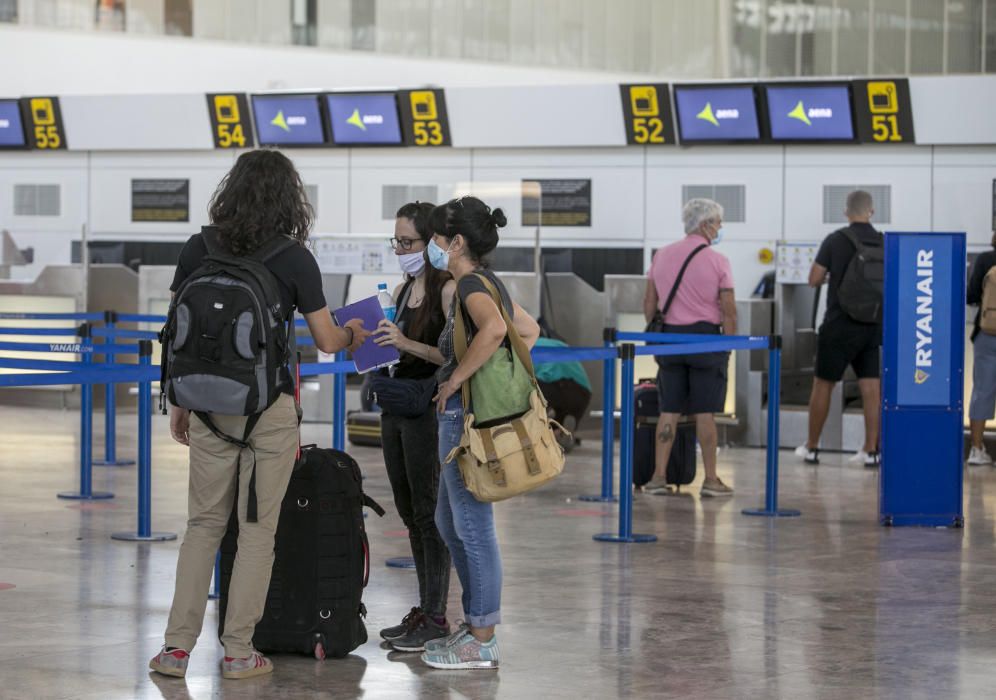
point(562, 202)
point(160, 200)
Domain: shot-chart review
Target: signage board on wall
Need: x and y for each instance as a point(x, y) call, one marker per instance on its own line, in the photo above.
point(369, 119)
point(354, 257)
point(288, 120)
point(647, 114)
point(424, 120)
point(160, 200)
point(11, 126)
point(793, 262)
point(230, 123)
point(883, 111)
point(717, 113)
point(43, 119)
point(561, 203)
point(809, 112)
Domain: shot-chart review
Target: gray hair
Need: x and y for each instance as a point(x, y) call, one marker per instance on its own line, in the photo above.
point(859, 203)
point(699, 210)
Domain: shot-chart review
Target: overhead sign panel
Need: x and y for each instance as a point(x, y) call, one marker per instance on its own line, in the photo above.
point(11, 127)
point(230, 123)
point(364, 119)
point(424, 119)
point(717, 113)
point(808, 112)
point(647, 114)
point(43, 119)
point(883, 111)
point(288, 120)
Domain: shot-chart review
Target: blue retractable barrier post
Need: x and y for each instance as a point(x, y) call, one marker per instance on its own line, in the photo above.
point(110, 404)
point(771, 508)
point(608, 422)
point(627, 354)
point(144, 533)
point(339, 406)
point(86, 491)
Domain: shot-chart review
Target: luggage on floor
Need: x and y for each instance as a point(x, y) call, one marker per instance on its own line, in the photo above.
point(681, 464)
point(321, 564)
point(363, 428)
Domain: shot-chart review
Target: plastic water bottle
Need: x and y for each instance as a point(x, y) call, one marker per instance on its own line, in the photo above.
point(386, 301)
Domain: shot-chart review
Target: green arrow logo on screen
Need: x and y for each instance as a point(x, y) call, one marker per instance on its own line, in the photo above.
point(280, 121)
point(707, 115)
point(800, 113)
point(356, 120)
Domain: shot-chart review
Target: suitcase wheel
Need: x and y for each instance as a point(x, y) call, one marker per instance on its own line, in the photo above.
point(319, 651)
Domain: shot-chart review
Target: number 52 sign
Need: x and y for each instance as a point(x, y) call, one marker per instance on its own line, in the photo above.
point(647, 114)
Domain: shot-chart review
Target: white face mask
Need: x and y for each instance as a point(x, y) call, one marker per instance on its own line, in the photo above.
point(412, 263)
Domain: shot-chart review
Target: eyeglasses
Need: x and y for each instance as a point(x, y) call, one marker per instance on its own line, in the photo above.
point(403, 243)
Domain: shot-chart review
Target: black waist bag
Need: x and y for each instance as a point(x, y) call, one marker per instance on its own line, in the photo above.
point(396, 396)
point(321, 561)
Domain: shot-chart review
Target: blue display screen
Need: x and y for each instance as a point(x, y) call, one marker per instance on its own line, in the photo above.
point(370, 118)
point(727, 113)
point(11, 130)
point(288, 120)
point(810, 113)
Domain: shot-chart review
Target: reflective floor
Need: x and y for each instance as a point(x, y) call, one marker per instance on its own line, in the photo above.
point(829, 605)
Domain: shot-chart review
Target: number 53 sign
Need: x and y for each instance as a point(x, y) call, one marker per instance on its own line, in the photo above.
point(423, 117)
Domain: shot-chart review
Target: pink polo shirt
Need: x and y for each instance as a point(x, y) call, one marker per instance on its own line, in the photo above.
point(698, 296)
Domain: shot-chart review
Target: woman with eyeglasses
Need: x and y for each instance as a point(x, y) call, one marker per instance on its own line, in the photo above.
point(408, 422)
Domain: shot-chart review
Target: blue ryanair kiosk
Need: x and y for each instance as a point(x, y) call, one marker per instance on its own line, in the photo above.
point(922, 374)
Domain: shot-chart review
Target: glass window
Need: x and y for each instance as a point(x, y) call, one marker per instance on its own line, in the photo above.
point(304, 22)
point(364, 25)
point(964, 43)
point(890, 22)
point(8, 10)
point(990, 56)
point(745, 56)
point(110, 15)
point(853, 35)
point(927, 37)
point(178, 16)
point(781, 25)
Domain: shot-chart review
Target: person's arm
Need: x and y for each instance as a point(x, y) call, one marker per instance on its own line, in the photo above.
point(389, 334)
point(651, 302)
point(824, 256)
point(526, 326)
point(974, 295)
point(491, 331)
point(817, 275)
point(330, 338)
point(728, 308)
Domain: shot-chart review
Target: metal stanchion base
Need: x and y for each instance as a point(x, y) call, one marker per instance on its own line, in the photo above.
point(115, 463)
point(401, 563)
point(135, 537)
point(77, 496)
point(598, 499)
point(613, 537)
point(780, 513)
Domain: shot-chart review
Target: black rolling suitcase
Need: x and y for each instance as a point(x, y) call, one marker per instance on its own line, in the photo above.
point(681, 464)
point(321, 564)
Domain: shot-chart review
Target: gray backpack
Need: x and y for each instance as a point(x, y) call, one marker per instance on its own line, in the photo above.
point(860, 290)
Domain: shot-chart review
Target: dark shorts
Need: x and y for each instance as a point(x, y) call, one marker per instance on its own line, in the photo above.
point(843, 342)
point(690, 384)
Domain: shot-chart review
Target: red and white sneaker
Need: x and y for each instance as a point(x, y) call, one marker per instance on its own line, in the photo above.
point(170, 663)
point(253, 665)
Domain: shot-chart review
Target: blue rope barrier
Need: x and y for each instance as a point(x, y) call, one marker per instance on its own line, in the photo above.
point(75, 348)
point(702, 347)
point(123, 333)
point(680, 337)
point(68, 331)
point(56, 365)
point(313, 369)
point(551, 355)
point(305, 340)
point(82, 377)
point(87, 316)
point(138, 318)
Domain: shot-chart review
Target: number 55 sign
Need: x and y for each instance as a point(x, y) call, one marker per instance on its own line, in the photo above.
point(883, 111)
point(423, 117)
point(43, 118)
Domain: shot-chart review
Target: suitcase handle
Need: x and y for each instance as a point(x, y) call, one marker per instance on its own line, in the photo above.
point(366, 560)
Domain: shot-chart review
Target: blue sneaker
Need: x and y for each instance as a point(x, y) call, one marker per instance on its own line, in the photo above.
point(449, 640)
point(465, 652)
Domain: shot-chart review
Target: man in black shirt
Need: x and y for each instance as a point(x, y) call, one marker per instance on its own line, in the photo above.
point(981, 406)
point(842, 340)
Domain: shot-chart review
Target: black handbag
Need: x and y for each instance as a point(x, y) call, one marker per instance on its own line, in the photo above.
point(396, 396)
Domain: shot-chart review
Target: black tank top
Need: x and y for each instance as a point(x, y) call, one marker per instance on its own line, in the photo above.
point(411, 366)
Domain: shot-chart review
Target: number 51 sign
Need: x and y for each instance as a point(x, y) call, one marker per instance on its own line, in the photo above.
point(883, 111)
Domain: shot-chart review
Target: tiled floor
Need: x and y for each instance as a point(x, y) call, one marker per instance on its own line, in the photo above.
point(829, 605)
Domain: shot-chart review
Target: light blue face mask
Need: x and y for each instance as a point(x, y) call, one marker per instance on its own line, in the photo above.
point(439, 258)
point(718, 238)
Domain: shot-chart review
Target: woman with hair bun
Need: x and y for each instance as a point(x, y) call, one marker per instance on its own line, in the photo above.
point(465, 232)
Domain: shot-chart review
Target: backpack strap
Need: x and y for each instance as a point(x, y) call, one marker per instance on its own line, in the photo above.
point(212, 242)
point(677, 281)
point(252, 507)
point(852, 237)
point(273, 247)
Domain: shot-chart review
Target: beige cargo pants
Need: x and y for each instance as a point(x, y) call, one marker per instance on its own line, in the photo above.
point(213, 464)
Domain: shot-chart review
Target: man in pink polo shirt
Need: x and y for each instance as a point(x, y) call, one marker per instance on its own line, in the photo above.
point(701, 302)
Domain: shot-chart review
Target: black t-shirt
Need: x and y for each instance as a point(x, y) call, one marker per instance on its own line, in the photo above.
point(980, 269)
point(835, 253)
point(412, 366)
point(296, 270)
point(468, 285)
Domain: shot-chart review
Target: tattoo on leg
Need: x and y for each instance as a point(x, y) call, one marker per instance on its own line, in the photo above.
point(666, 433)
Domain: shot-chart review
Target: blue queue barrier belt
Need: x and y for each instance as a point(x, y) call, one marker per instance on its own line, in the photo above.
point(68, 331)
point(124, 333)
point(83, 316)
point(75, 348)
point(138, 318)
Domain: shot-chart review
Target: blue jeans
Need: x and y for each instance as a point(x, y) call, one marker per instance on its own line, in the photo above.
point(468, 528)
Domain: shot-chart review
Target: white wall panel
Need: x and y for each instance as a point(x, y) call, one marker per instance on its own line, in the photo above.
point(963, 181)
point(328, 169)
point(130, 122)
point(954, 109)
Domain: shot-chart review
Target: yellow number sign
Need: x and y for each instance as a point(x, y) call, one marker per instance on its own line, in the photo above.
point(46, 129)
point(427, 129)
point(645, 109)
point(227, 112)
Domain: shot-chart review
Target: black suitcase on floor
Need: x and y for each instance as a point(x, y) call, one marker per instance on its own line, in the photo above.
point(681, 464)
point(321, 564)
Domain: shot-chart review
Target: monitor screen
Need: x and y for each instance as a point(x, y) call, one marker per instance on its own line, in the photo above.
point(293, 120)
point(11, 130)
point(810, 113)
point(364, 118)
point(721, 113)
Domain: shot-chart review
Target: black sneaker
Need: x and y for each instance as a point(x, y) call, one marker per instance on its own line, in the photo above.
point(425, 630)
point(407, 623)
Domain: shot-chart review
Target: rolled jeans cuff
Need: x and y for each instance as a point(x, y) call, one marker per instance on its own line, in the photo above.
point(478, 621)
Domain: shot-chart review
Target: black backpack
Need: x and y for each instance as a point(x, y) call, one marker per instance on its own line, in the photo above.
point(860, 289)
point(321, 561)
point(225, 345)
